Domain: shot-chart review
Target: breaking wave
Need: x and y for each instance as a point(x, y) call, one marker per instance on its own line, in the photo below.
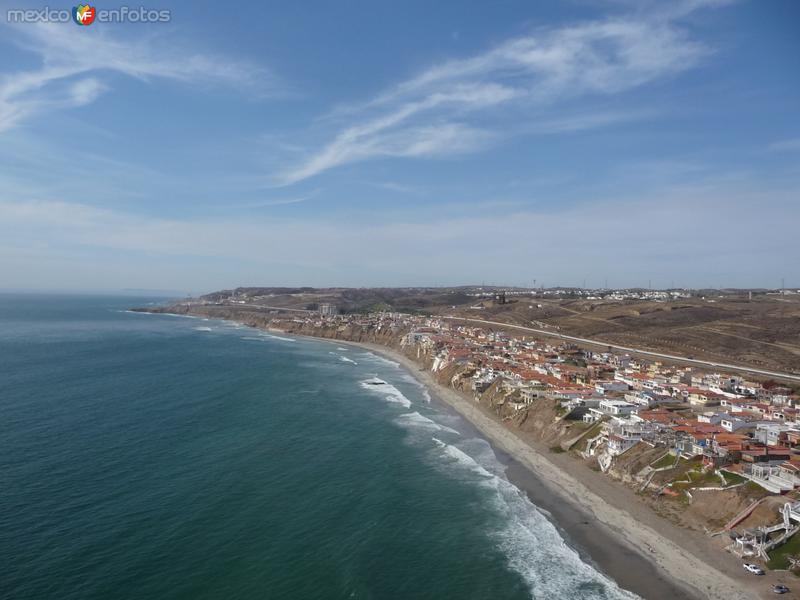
point(533, 544)
point(423, 388)
point(386, 390)
point(369, 356)
point(344, 358)
point(416, 420)
point(277, 337)
point(264, 337)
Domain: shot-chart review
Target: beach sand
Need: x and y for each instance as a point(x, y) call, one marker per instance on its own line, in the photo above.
point(602, 519)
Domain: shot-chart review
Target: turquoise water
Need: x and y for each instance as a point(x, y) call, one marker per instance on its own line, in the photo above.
point(151, 456)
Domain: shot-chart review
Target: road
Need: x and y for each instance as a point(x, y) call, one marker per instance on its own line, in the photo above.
point(263, 307)
point(683, 359)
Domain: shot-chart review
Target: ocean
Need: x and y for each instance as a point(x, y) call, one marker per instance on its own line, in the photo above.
point(154, 456)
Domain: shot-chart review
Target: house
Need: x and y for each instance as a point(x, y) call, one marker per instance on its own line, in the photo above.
point(733, 404)
point(772, 434)
point(592, 416)
point(648, 398)
point(618, 444)
point(604, 387)
point(775, 475)
point(710, 417)
point(623, 433)
point(529, 394)
point(733, 423)
point(616, 407)
point(700, 397)
point(765, 454)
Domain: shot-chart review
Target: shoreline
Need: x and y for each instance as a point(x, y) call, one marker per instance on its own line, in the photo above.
point(600, 518)
point(628, 548)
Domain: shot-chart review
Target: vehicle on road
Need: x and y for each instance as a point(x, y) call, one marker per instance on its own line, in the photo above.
point(754, 569)
point(780, 589)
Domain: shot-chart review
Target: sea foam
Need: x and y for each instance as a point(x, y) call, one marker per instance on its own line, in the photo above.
point(343, 358)
point(277, 337)
point(369, 356)
point(532, 543)
point(423, 388)
point(386, 390)
point(414, 420)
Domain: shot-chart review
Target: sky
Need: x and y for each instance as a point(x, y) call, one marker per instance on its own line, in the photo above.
point(579, 142)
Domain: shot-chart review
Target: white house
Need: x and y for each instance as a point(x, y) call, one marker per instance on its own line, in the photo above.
point(610, 386)
point(732, 423)
point(616, 407)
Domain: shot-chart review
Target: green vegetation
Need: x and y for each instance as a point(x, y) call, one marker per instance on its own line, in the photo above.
point(590, 433)
point(579, 425)
point(733, 478)
point(779, 557)
point(556, 449)
point(665, 461)
point(704, 479)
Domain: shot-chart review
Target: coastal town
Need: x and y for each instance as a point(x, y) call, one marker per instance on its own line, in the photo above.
point(714, 451)
point(708, 451)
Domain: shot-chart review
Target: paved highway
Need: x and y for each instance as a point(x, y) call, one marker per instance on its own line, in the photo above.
point(787, 376)
point(262, 306)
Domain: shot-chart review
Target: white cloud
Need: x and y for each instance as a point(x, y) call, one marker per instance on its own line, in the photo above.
point(664, 235)
point(461, 105)
point(73, 61)
point(85, 91)
point(790, 145)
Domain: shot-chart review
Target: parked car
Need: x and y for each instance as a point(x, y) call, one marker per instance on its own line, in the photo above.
point(780, 589)
point(754, 569)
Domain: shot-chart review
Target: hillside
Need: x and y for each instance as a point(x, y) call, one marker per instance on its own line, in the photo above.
point(762, 331)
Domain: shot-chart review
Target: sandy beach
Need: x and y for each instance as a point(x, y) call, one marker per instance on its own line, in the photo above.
point(604, 520)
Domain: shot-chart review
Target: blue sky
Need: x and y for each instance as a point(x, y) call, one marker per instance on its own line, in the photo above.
point(413, 143)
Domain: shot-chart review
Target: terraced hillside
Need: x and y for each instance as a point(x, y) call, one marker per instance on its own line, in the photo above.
point(763, 332)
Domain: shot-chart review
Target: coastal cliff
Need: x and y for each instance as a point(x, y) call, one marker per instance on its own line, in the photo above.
point(623, 494)
point(542, 423)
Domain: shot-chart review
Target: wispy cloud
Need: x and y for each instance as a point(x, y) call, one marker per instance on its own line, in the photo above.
point(399, 188)
point(267, 202)
point(74, 64)
point(791, 145)
point(463, 105)
point(637, 231)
